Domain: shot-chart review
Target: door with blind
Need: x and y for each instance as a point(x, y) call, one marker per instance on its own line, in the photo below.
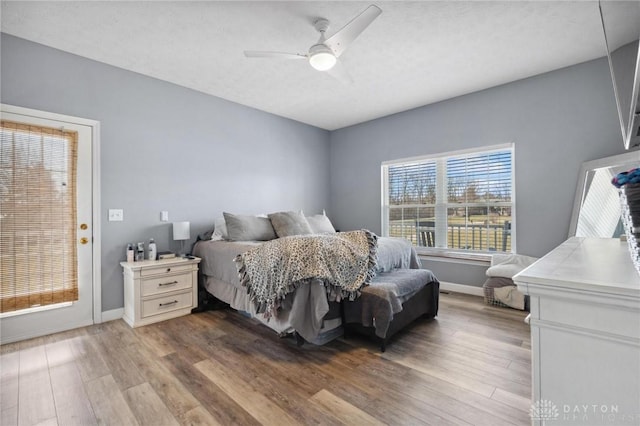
point(46, 226)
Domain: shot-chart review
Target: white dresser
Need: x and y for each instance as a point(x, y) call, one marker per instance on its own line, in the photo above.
point(585, 334)
point(156, 290)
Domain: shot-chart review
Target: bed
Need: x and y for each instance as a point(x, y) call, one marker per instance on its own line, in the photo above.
point(308, 310)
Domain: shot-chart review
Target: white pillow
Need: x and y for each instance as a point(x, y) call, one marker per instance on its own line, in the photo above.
point(320, 224)
point(508, 265)
point(219, 230)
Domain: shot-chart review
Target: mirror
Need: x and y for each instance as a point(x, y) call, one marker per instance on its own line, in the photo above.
point(596, 208)
point(621, 24)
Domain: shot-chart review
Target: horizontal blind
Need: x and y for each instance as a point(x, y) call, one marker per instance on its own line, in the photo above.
point(411, 199)
point(458, 200)
point(479, 178)
point(38, 262)
point(600, 210)
point(412, 183)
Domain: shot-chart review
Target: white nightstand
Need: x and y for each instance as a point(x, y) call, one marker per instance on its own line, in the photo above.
point(156, 290)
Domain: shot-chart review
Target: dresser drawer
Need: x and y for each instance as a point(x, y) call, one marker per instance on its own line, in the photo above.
point(165, 270)
point(168, 303)
point(163, 284)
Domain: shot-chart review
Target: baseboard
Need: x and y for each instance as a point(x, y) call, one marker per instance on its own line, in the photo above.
point(461, 288)
point(113, 314)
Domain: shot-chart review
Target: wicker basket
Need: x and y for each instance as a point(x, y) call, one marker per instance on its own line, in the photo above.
point(630, 213)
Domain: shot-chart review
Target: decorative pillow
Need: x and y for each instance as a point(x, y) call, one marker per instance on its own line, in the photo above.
point(508, 265)
point(248, 228)
point(320, 224)
point(290, 223)
point(219, 230)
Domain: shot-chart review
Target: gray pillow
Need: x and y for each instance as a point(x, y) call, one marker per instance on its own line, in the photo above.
point(290, 223)
point(248, 228)
point(320, 224)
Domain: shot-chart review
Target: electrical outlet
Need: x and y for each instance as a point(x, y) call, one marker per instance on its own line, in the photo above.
point(164, 216)
point(116, 215)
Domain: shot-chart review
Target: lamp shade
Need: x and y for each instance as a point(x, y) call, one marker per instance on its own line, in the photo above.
point(181, 231)
point(321, 57)
point(322, 61)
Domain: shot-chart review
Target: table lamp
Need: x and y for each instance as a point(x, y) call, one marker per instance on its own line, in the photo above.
point(181, 233)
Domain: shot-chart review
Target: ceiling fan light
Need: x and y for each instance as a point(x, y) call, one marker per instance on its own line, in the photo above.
point(322, 61)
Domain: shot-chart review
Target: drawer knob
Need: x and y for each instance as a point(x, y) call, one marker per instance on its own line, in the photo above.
point(168, 303)
point(168, 269)
point(171, 283)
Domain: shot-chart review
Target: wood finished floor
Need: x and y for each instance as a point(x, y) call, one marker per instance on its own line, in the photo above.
point(471, 365)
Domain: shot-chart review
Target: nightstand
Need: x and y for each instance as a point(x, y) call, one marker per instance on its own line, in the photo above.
point(156, 290)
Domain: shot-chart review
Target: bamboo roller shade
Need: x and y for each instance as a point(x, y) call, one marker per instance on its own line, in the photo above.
point(38, 259)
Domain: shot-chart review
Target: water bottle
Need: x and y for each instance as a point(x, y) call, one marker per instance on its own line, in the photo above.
point(153, 252)
point(130, 256)
point(140, 252)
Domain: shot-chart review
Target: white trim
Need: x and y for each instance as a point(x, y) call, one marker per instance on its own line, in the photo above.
point(514, 215)
point(112, 315)
point(36, 309)
point(440, 208)
point(442, 255)
point(44, 331)
point(95, 190)
point(461, 288)
point(97, 229)
point(420, 158)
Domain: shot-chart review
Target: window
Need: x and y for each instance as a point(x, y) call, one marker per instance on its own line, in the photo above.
point(453, 202)
point(37, 216)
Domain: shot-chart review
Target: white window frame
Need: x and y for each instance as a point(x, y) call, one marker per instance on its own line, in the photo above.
point(442, 202)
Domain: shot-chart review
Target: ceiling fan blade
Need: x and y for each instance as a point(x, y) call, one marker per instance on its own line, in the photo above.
point(278, 55)
point(343, 38)
point(339, 72)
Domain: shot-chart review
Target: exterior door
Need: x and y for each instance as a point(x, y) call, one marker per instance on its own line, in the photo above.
point(46, 224)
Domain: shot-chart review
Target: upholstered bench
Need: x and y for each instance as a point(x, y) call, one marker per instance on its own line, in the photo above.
point(392, 301)
point(499, 289)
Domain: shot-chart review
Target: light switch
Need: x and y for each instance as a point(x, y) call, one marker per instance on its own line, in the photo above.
point(116, 215)
point(164, 216)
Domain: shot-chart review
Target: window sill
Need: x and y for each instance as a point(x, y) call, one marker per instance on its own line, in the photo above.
point(483, 259)
point(35, 309)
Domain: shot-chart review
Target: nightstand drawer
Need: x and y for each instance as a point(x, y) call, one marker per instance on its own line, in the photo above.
point(165, 270)
point(169, 303)
point(151, 286)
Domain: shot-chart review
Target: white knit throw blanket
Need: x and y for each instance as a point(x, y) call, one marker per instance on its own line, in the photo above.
point(344, 261)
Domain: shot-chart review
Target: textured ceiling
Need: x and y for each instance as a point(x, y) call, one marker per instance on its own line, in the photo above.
point(415, 53)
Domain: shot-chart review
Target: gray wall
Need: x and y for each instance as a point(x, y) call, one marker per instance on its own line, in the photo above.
point(165, 147)
point(556, 120)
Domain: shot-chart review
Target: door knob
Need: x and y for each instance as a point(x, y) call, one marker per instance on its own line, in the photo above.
point(83, 226)
point(84, 240)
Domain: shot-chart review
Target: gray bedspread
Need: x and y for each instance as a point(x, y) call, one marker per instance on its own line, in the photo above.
point(396, 253)
point(384, 297)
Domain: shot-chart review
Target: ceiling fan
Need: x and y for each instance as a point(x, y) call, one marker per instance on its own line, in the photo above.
point(323, 56)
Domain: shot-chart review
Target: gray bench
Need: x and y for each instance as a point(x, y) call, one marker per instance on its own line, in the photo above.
point(392, 301)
